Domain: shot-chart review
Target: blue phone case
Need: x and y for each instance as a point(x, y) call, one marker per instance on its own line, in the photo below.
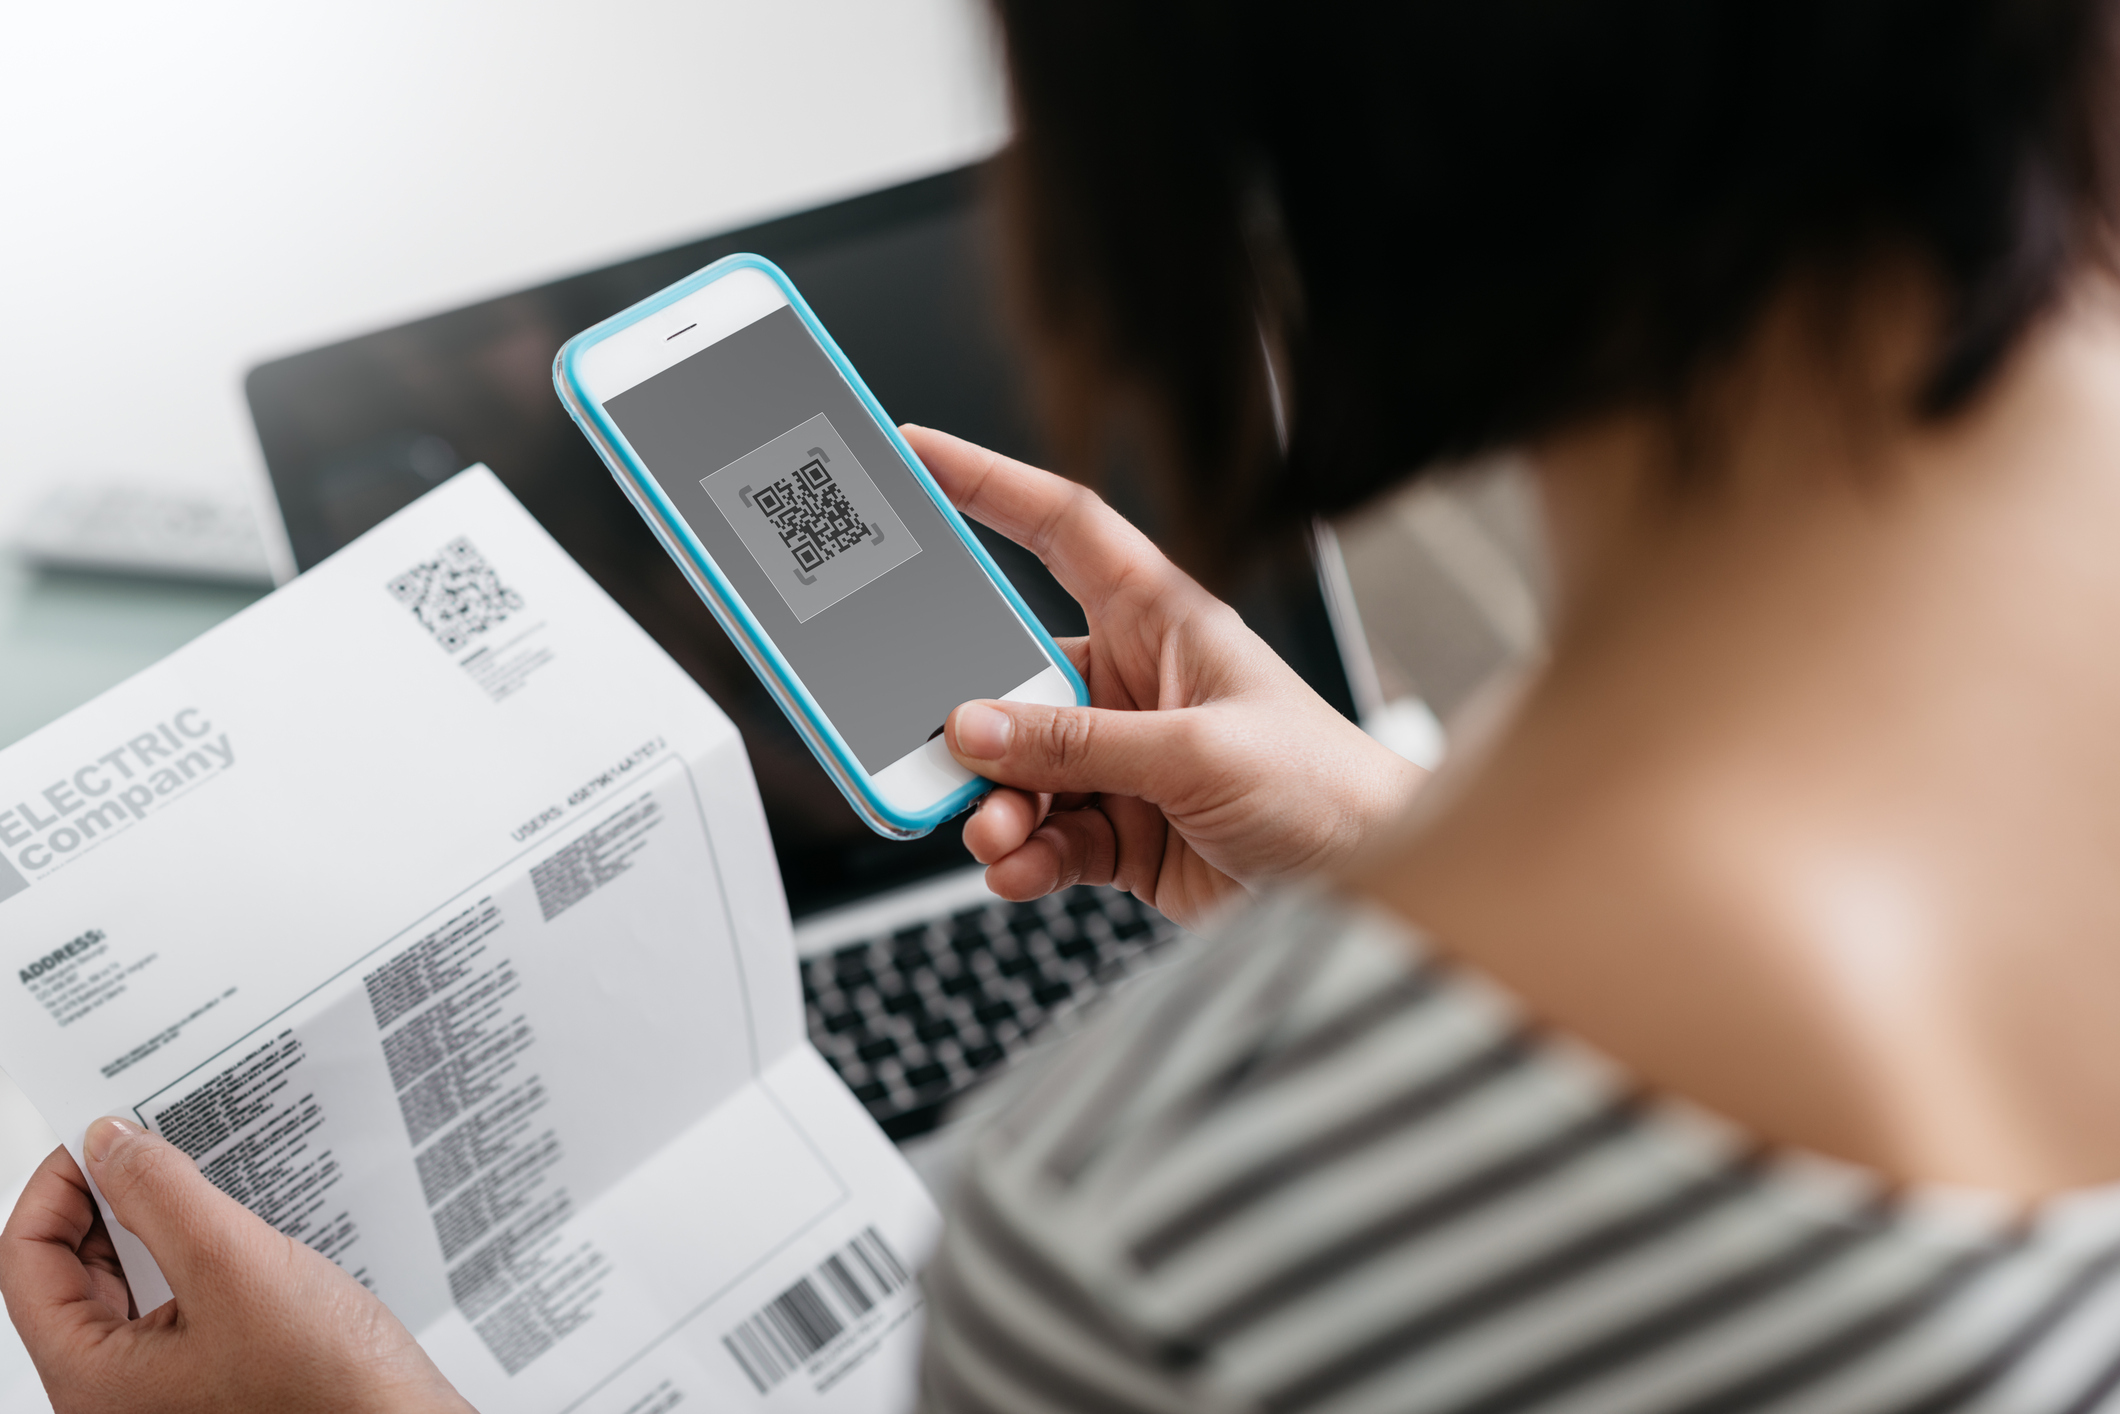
point(706, 578)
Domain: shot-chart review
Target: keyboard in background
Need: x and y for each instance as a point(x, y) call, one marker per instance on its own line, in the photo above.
point(134, 530)
point(912, 1020)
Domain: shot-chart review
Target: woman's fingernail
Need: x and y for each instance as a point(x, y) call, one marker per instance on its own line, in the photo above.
point(982, 731)
point(104, 1134)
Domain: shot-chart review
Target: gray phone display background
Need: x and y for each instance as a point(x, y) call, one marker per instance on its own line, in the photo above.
point(889, 661)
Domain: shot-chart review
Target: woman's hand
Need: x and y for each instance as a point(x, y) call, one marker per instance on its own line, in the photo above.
point(259, 1320)
point(1203, 765)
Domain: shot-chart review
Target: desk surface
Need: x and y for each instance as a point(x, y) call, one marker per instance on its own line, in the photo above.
point(66, 637)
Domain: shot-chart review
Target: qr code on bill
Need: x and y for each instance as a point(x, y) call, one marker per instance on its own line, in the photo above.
point(456, 595)
point(811, 514)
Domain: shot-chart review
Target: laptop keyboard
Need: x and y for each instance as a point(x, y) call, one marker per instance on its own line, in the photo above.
point(912, 1020)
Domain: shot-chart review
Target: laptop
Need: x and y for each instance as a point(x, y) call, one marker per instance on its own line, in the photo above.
point(919, 983)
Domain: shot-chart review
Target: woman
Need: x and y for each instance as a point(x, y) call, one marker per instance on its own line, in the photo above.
point(1731, 1031)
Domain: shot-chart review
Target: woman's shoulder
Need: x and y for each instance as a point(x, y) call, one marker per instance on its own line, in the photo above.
point(1315, 1150)
point(1310, 1029)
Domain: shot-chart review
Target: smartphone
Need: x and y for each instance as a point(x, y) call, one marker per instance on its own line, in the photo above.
point(779, 486)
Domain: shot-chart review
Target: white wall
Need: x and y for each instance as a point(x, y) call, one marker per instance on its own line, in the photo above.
point(192, 188)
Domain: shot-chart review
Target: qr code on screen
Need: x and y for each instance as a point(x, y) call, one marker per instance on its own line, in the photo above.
point(811, 514)
point(456, 595)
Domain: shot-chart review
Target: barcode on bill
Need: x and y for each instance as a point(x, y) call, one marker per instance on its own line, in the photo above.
point(817, 1310)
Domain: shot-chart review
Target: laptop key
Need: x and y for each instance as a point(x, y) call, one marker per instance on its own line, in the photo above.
point(925, 1077)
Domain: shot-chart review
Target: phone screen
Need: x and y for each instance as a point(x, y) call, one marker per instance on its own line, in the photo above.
point(826, 534)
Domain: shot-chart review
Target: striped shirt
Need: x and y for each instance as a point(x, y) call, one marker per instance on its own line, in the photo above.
point(1312, 1167)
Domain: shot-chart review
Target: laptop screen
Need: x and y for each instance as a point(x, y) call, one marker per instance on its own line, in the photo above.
point(903, 279)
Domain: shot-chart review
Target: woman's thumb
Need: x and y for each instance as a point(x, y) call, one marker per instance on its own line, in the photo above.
point(1072, 749)
point(158, 1193)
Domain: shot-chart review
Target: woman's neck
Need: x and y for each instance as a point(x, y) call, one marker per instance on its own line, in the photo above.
point(1815, 812)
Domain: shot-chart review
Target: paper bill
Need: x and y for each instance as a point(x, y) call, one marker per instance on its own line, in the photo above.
point(431, 908)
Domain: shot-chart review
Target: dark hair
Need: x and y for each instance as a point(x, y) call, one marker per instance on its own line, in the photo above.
point(1465, 223)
